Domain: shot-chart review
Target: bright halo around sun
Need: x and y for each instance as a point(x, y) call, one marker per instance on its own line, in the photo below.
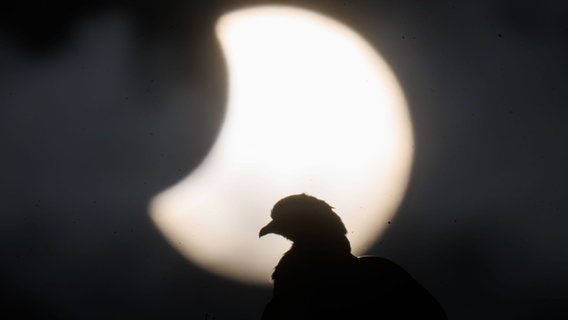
point(312, 108)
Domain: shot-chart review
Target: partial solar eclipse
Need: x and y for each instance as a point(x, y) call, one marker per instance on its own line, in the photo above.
point(312, 108)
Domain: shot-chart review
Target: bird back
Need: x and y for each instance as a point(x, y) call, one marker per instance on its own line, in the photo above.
point(347, 288)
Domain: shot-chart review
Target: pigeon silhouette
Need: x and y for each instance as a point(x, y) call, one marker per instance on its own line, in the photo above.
point(319, 278)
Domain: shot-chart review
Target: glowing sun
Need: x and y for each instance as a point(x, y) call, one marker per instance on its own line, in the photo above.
point(311, 108)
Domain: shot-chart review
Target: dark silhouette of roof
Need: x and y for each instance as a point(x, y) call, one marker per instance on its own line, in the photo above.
point(319, 278)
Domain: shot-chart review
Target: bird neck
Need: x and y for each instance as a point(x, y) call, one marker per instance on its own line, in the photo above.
point(323, 245)
point(304, 255)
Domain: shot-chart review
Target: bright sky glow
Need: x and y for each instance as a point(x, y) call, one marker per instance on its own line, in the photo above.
point(311, 108)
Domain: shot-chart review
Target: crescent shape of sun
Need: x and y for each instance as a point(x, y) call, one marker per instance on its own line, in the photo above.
point(312, 108)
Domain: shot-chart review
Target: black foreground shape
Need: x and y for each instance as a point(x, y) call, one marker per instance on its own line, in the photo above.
point(319, 278)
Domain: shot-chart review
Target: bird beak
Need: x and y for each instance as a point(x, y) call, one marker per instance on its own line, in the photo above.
point(269, 228)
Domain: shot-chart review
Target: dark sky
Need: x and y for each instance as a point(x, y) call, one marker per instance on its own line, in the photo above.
point(105, 104)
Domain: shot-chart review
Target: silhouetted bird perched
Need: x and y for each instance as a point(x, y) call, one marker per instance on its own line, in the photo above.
point(319, 278)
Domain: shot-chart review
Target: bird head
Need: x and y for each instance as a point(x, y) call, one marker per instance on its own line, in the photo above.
point(303, 218)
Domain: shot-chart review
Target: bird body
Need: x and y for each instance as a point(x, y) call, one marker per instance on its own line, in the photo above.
point(319, 278)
